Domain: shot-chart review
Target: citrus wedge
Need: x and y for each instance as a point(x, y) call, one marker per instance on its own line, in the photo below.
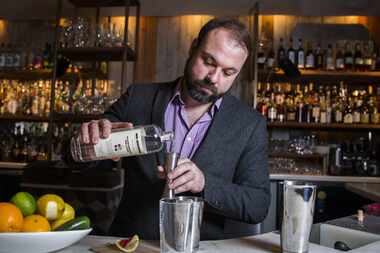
point(129, 244)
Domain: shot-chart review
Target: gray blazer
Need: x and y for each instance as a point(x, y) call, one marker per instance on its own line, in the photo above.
point(232, 156)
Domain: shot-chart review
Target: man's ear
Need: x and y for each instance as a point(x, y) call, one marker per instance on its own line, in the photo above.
point(193, 47)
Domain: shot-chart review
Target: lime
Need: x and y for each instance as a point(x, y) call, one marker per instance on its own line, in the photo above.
point(67, 215)
point(51, 206)
point(25, 202)
point(129, 244)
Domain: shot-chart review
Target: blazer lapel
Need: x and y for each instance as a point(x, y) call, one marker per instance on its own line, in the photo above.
point(158, 112)
point(215, 132)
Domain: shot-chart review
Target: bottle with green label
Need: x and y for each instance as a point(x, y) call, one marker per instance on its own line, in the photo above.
point(139, 140)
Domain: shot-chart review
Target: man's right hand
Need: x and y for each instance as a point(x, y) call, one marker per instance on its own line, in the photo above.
point(91, 132)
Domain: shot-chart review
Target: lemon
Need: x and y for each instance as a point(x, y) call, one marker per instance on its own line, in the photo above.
point(67, 215)
point(25, 202)
point(128, 245)
point(51, 206)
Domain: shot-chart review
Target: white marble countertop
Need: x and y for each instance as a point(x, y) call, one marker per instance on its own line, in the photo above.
point(265, 243)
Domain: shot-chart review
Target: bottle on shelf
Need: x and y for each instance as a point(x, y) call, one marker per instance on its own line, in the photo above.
point(261, 59)
point(329, 58)
point(358, 58)
point(339, 59)
point(122, 142)
point(319, 57)
point(291, 52)
point(310, 58)
point(300, 55)
point(270, 62)
point(348, 57)
point(281, 53)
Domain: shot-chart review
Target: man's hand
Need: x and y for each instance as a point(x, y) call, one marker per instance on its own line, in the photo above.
point(91, 132)
point(185, 177)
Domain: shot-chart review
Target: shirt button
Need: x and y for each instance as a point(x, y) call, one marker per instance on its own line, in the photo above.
point(188, 139)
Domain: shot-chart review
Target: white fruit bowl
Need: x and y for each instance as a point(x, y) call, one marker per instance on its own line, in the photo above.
point(39, 242)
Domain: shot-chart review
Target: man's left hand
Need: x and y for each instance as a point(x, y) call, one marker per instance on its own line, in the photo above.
point(186, 177)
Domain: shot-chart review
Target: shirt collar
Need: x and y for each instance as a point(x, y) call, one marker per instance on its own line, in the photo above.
point(176, 98)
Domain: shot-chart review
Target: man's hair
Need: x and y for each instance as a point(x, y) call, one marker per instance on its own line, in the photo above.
point(238, 31)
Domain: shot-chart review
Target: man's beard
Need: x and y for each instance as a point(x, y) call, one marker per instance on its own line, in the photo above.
point(195, 92)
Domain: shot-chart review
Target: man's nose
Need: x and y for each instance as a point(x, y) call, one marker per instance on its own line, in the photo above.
point(214, 75)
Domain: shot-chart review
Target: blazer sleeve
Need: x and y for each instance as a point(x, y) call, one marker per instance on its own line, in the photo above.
point(247, 197)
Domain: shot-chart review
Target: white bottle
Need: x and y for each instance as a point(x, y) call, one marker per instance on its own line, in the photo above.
point(122, 142)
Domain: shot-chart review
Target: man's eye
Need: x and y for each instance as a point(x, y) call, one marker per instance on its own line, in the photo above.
point(228, 73)
point(208, 61)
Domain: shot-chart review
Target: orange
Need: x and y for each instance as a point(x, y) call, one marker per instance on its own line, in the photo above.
point(11, 218)
point(35, 223)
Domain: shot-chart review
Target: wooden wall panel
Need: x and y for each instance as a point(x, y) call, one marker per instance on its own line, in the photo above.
point(145, 65)
point(174, 38)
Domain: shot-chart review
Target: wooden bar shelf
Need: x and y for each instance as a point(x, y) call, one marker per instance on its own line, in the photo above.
point(323, 76)
point(58, 117)
point(102, 3)
point(75, 118)
point(319, 126)
point(296, 156)
point(26, 75)
point(97, 53)
point(26, 118)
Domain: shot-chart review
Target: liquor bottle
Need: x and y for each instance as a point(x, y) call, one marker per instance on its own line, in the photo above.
point(2, 56)
point(9, 57)
point(358, 58)
point(323, 113)
point(300, 55)
point(291, 52)
point(290, 110)
point(319, 57)
point(122, 142)
point(270, 58)
point(367, 55)
point(281, 54)
point(364, 113)
point(261, 56)
point(348, 58)
point(356, 111)
point(337, 111)
point(339, 59)
point(330, 58)
point(347, 114)
point(310, 59)
point(272, 110)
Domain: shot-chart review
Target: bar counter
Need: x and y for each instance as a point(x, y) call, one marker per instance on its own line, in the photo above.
point(264, 243)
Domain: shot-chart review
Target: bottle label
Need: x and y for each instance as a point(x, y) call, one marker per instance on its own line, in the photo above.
point(330, 63)
point(272, 113)
point(356, 117)
point(349, 60)
point(310, 61)
point(364, 118)
point(338, 116)
point(348, 118)
point(292, 57)
point(323, 117)
point(339, 63)
point(301, 60)
point(270, 62)
point(123, 143)
point(359, 61)
point(261, 60)
point(2, 60)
